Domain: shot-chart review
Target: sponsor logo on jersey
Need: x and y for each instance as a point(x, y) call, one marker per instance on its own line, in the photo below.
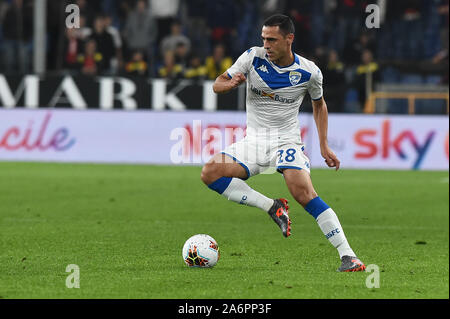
point(272, 96)
point(294, 77)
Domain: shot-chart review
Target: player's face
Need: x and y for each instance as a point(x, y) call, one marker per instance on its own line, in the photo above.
point(276, 44)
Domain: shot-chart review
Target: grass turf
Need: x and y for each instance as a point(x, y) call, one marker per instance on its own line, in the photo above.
point(125, 225)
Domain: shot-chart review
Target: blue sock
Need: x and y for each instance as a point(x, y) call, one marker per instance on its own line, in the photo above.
point(316, 206)
point(220, 185)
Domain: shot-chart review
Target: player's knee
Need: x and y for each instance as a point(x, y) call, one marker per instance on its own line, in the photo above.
point(209, 173)
point(205, 174)
point(305, 196)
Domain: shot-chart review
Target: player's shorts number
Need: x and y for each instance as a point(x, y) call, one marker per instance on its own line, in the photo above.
point(289, 155)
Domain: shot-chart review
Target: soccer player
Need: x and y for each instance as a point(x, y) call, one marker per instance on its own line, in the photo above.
point(277, 81)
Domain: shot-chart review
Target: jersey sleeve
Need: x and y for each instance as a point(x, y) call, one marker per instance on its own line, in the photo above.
point(315, 84)
point(242, 64)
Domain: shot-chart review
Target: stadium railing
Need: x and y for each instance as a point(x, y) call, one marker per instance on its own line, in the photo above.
point(411, 97)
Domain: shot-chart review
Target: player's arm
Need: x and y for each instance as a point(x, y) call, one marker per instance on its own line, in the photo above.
point(224, 84)
point(320, 113)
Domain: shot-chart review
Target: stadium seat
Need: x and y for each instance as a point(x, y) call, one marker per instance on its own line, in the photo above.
point(431, 107)
point(390, 75)
point(411, 79)
point(351, 102)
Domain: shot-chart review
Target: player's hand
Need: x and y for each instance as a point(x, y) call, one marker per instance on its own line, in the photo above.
point(237, 79)
point(330, 157)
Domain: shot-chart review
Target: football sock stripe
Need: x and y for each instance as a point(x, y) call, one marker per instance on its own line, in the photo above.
point(328, 222)
point(316, 206)
point(220, 184)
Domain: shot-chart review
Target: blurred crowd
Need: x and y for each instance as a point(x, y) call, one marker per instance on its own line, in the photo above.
point(200, 39)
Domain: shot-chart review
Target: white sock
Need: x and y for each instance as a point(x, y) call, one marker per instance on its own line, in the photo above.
point(238, 191)
point(332, 229)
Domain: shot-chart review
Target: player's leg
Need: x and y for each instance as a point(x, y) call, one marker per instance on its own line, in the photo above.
point(300, 186)
point(221, 165)
point(225, 175)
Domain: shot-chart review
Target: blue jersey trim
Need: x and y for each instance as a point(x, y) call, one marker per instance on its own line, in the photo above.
point(275, 80)
point(284, 166)
point(239, 162)
point(281, 168)
point(297, 59)
point(229, 75)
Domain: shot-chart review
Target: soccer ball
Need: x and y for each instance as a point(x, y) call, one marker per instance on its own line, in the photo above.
point(201, 251)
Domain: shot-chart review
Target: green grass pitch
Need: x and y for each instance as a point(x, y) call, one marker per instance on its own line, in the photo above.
point(125, 225)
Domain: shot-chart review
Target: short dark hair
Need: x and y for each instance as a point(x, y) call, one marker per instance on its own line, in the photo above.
point(284, 22)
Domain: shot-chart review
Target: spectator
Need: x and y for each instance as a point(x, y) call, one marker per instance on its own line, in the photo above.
point(300, 13)
point(137, 65)
point(181, 54)
point(353, 50)
point(91, 62)
point(271, 7)
point(83, 32)
point(140, 30)
point(170, 42)
point(441, 58)
point(320, 57)
point(116, 61)
point(404, 19)
point(334, 82)
point(104, 41)
point(3, 8)
point(86, 10)
point(194, 19)
point(318, 22)
point(196, 70)
point(348, 16)
point(248, 28)
point(124, 8)
point(17, 32)
point(218, 63)
point(73, 47)
point(165, 12)
point(366, 73)
point(410, 30)
point(334, 72)
point(222, 18)
point(443, 11)
point(111, 8)
point(170, 70)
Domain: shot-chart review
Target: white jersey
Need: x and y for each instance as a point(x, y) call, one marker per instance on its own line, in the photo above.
point(274, 93)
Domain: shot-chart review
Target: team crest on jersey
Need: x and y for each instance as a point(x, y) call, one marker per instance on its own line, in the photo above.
point(294, 77)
